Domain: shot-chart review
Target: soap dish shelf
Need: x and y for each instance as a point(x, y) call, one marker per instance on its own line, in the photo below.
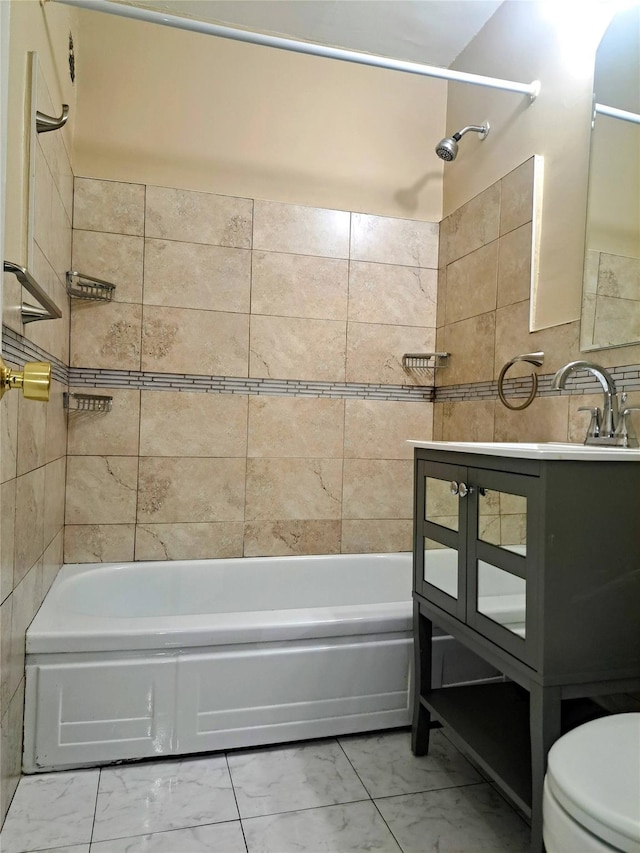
point(87, 402)
point(82, 286)
point(424, 360)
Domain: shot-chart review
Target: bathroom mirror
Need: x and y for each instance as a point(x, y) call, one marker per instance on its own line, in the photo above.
point(611, 289)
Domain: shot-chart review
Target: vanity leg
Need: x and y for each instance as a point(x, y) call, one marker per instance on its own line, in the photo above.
point(421, 724)
point(545, 729)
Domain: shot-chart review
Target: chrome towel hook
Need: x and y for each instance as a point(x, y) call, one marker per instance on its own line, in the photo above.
point(536, 358)
point(45, 123)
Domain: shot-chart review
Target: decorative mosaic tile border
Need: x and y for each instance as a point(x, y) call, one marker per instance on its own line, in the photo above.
point(79, 376)
point(16, 349)
point(627, 378)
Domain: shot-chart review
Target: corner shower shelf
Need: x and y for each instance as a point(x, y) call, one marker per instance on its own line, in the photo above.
point(82, 286)
point(424, 360)
point(87, 402)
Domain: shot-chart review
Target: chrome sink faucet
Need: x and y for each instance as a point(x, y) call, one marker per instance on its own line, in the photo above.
point(610, 427)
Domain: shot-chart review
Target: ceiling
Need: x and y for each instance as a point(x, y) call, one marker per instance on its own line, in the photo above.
point(432, 32)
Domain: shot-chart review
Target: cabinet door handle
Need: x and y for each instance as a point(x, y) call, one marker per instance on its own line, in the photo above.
point(464, 490)
point(454, 488)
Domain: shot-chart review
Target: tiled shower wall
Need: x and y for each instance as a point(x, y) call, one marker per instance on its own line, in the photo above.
point(253, 351)
point(34, 441)
point(483, 321)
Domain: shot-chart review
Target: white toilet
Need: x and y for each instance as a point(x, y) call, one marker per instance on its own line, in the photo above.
point(591, 797)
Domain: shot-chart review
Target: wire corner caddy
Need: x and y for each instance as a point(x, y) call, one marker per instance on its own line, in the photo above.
point(87, 402)
point(82, 286)
point(424, 360)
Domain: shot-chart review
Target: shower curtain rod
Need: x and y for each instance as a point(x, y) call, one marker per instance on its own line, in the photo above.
point(614, 112)
point(141, 14)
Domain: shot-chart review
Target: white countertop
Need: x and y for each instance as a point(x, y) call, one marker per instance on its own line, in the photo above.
point(533, 450)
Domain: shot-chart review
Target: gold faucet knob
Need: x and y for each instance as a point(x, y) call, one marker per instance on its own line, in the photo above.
point(34, 379)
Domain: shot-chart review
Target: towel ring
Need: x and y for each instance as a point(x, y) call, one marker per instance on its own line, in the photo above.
point(536, 358)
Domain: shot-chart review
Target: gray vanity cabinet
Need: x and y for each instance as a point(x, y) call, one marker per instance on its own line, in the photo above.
point(533, 564)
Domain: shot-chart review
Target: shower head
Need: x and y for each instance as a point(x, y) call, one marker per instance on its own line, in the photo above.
point(447, 148)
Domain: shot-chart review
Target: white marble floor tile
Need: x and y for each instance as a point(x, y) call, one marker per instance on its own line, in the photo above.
point(387, 767)
point(456, 820)
point(214, 838)
point(333, 829)
point(75, 848)
point(293, 777)
point(145, 798)
point(50, 810)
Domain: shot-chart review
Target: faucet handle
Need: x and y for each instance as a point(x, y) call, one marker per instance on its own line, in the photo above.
point(593, 430)
point(625, 430)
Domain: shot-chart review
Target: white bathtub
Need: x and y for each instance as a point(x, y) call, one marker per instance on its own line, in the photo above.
point(137, 660)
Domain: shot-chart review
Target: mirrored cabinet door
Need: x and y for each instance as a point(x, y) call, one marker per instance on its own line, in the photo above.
point(502, 519)
point(502, 597)
point(442, 502)
point(442, 520)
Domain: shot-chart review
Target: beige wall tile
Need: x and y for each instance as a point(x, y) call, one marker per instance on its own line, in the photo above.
point(60, 253)
point(5, 655)
point(7, 536)
point(43, 192)
point(98, 543)
point(383, 293)
point(52, 560)
point(116, 258)
point(385, 240)
point(282, 489)
point(29, 533)
point(113, 433)
point(56, 433)
point(438, 416)
point(291, 348)
point(183, 424)
point(300, 230)
point(467, 421)
point(379, 429)
point(9, 434)
point(295, 427)
point(195, 217)
point(287, 538)
point(179, 340)
point(377, 489)
point(472, 284)
point(516, 206)
point(106, 335)
point(25, 603)
point(189, 541)
point(32, 433)
point(192, 275)
point(374, 352)
point(101, 489)
point(299, 286)
point(546, 419)
point(54, 497)
point(384, 536)
point(471, 346)
point(441, 298)
point(474, 224)
point(11, 749)
point(514, 266)
point(559, 343)
point(108, 206)
point(172, 490)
